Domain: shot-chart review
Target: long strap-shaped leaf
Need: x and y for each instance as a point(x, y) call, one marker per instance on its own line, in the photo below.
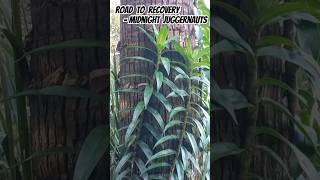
point(76, 43)
point(303, 160)
point(64, 91)
point(93, 149)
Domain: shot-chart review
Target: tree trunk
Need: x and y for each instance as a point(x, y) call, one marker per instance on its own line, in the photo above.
point(131, 35)
point(231, 71)
point(59, 121)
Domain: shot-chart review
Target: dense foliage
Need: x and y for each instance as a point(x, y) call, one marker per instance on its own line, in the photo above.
point(302, 52)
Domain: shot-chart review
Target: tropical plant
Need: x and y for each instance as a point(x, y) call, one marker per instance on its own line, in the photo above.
point(253, 49)
point(190, 155)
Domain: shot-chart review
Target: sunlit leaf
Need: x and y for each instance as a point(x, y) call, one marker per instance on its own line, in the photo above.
point(175, 111)
point(147, 95)
point(193, 143)
point(159, 79)
point(163, 153)
point(171, 124)
point(135, 120)
point(163, 100)
point(165, 139)
point(166, 63)
point(145, 148)
point(157, 116)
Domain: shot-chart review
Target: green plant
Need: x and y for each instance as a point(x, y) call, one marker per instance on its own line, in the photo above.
point(192, 138)
point(258, 46)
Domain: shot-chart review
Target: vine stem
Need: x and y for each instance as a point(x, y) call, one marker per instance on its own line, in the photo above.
point(182, 132)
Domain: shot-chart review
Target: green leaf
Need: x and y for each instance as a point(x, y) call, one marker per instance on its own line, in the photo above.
point(200, 79)
point(284, 110)
point(145, 148)
point(279, 10)
point(147, 95)
point(222, 99)
point(201, 54)
point(139, 58)
point(122, 175)
point(187, 57)
point(155, 30)
point(41, 154)
point(180, 171)
point(227, 31)
point(142, 47)
point(169, 83)
point(64, 91)
point(129, 90)
point(161, 154)
point(224, 46)
point(184, 157)
point(122, 162)
point(292, 57)
point(188, 45)
point(157, 116)
point(92, 150)
point(165, 139)
point(156, 177)
point(200, 129)
point(76, 43)
point(179, 76)
point(276, 40)
point(178, 93)
point(171, 124)
point(176, 63)
point(157, 165)
point(166, 63)
point(155, 132)
point(163, 35)
point(221, 150)
point(148, 36)
point(134, 75)
point(175, 111)
point(276, 157)
point(135, 120)
point(235, 11)
point(194, 161)
point(193, 142)
point(303, 160)
point(142, 168)
point(180, 71)
point(130, 141)
point(163, 100)
point(159, 79)
point(281, 84)
point(170, 40)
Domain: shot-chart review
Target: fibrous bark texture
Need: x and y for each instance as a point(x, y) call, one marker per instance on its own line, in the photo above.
point(60, 121)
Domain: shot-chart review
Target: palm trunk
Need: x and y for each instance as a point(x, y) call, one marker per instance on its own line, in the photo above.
point(59, 121)
point(131, 35)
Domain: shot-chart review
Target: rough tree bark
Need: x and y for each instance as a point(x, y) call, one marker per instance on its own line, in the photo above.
point(131, 35)
point(59, 121)
point(231, 71)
